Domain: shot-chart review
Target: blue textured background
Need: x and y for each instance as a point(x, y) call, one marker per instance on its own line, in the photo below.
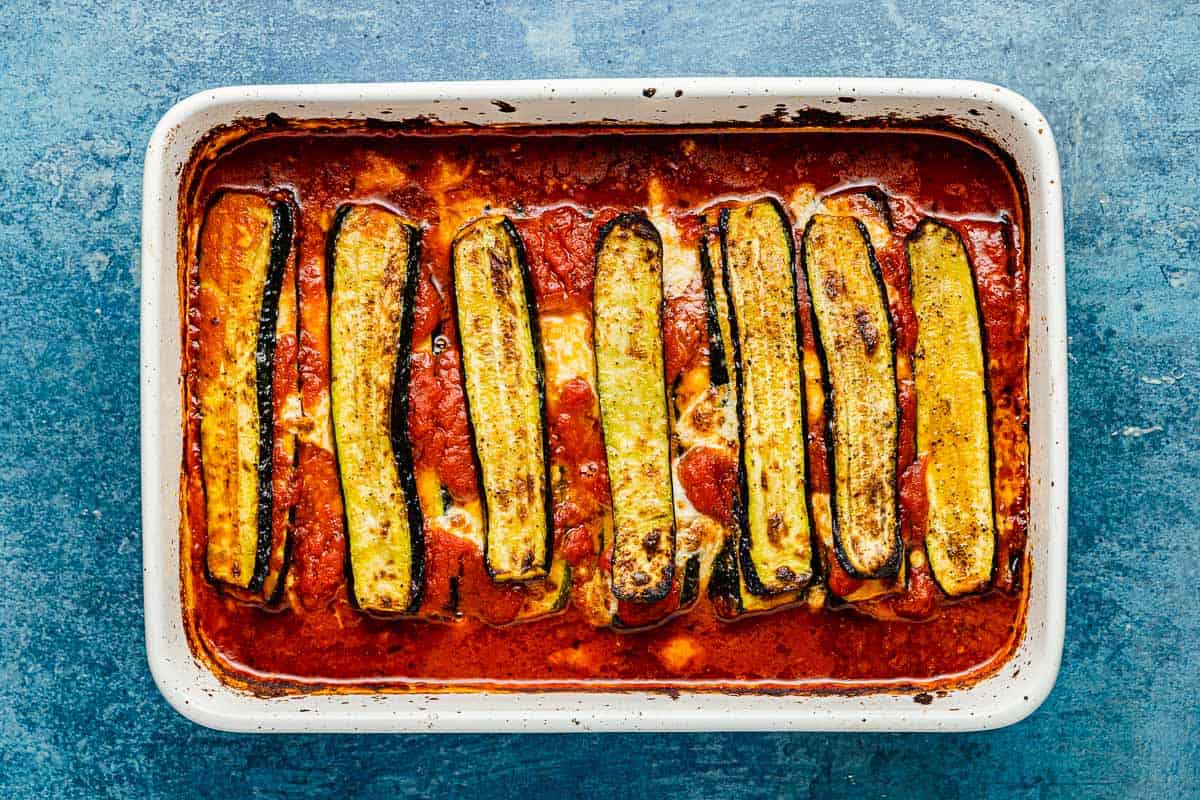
point(80, 91)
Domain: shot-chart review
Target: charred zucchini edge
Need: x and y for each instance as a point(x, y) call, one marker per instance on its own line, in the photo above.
point(275, 596)
point(282, 230)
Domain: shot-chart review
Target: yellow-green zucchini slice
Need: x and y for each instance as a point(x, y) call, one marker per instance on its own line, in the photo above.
point(856, 344)
point(775, 547)
point(373, 261)
point(502, 372)
point(244, 247)
point(727, 586)
point(952, 411)
point(633, 406)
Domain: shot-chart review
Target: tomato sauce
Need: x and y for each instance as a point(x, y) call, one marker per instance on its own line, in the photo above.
point(560, 188)
point(709, 476)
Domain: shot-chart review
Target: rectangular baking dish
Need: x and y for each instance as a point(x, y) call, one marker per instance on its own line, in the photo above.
point(1008, 120)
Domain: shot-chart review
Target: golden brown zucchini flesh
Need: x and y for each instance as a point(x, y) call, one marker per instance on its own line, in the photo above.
point(633, 406)
point(775, 547)
point(952, 411)
point(374, 260)
point(244, 248)
point(502, 373)
point(855, 340)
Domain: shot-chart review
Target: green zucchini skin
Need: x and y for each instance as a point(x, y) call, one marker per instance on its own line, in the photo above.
point(715, 308)
point(564, 588)
point(397, 423)
point(723, 582)
point(786, 579)
point(630, 382)
point(533, 565)
point(401, 446)
point(282, 229)
point(690, 591)
point(827, 332)
point(951, 532)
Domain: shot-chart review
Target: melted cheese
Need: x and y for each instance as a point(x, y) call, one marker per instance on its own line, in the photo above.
point(681, 265)
point(802, 205)
point(567, 350)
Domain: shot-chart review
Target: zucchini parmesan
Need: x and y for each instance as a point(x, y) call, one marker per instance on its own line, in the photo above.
point(244, 253)
point(953, 436)
point(373, 261)
point(551, 410)
point(855, 341)
point(502, 373)
point(633, 406)
point(775, 549)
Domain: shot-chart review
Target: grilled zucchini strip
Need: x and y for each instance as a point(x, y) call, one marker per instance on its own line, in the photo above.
point(952, 411)
point(727, 585)
point(374, 257)
point(633, 406)
point(870, 206)
point(244, 249)
point(775, 548)
point(502, 372)
point(855, 341)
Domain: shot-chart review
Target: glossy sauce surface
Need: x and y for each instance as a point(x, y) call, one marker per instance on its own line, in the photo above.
point(560, 189)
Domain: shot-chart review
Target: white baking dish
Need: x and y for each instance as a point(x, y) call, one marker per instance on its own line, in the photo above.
point(1007, 119)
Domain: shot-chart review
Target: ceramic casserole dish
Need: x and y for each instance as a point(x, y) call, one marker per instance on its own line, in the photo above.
point(1008, 122)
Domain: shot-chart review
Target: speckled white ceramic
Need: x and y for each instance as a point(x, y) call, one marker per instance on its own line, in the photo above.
point(1006, 118)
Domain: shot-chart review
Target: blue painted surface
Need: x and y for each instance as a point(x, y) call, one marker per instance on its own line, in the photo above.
point(82, 87)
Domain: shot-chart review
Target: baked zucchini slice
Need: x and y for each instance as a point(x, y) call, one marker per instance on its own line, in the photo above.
point(373, 262)
point(244, 248)
point(952, 410)
point(856, 343)
point(628, 340)
point(502, 373)
point(727, 588)
point(775, 547)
